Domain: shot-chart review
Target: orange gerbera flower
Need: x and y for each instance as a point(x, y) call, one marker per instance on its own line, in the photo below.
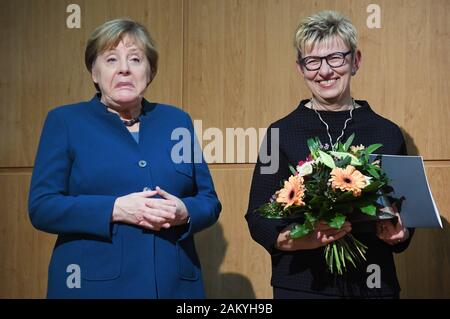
point(348, 179)
point(292, 192)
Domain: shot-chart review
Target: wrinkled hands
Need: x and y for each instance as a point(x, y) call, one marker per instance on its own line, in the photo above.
point(152, 213)
point(390, 233)
point(322, 235)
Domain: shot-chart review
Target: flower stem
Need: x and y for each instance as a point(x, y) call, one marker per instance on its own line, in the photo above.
point(345, 248)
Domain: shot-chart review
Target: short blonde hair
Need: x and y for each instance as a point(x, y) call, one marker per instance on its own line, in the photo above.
point(109, 35)
point(323, 26)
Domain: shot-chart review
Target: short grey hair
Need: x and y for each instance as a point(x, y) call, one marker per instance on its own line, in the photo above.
point(322, 27)
point(109, 35)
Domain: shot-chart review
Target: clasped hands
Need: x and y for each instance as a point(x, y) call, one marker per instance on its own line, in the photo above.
point(151, 213)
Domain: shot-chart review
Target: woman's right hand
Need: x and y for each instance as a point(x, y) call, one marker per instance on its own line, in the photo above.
point(321, 236)
point(142, 210)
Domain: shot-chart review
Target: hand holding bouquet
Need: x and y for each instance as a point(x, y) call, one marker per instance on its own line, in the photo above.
point(331, 186)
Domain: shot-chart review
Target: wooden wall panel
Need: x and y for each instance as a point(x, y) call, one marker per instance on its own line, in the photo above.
point(402, 72)
point(239, 64)
point(234, 266)
point(424, 268)
point(240, 71)
point(42, 62)
point(25, 252)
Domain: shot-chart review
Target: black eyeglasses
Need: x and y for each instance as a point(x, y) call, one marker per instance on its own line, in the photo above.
point(334, 60)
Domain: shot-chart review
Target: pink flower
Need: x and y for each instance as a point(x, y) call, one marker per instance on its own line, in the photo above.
point(308, 159)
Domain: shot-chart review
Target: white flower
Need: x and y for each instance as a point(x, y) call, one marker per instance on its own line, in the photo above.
point(305, 169)
point(368, 180)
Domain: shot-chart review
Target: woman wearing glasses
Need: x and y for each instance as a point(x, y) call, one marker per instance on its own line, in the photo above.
point(327, 58)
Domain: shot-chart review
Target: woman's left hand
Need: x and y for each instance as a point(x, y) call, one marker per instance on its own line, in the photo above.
point(181, 213)
point(390, 233)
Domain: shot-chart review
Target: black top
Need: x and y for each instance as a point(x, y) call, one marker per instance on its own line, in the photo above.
point(305, 270)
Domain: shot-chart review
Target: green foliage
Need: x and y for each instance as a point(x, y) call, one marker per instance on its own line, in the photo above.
point(327, 159)
point(373, 186)
point(314, 145)
point(373, 171)
point(337, 221)
point(353, 159)
point(343, 162)
point(372, 148)
point(349, 142)
point(271, 210)
point(369, 209)
point(292, 169)
point(299, 231)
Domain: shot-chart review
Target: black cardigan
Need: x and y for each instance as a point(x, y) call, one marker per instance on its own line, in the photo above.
point(305, 270)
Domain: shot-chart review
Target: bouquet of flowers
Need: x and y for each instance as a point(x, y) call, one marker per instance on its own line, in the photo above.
point(331, 186)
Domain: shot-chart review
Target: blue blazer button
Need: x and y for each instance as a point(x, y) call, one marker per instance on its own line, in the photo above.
point(142, 163)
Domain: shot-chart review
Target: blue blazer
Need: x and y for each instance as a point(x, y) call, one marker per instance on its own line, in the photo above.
point(87, 159)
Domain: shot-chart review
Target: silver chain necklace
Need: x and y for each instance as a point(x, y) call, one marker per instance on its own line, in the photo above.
point(334, 145)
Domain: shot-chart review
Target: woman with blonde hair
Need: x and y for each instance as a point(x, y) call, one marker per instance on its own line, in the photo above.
point(327, 59)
